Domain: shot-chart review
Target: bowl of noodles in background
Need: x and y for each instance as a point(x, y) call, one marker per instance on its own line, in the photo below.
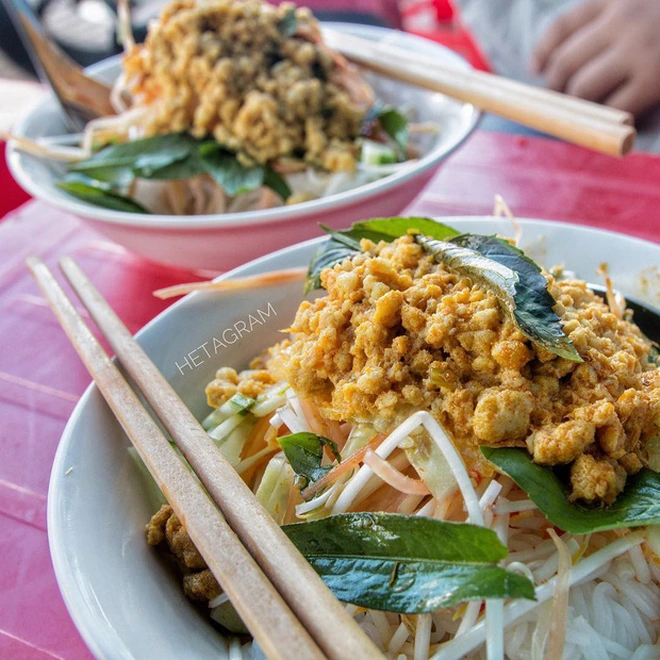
point(126, 598)
point(224, 240)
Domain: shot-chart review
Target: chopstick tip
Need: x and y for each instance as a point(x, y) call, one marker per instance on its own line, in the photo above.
point(33, 262)
point(66, 262)
point(628, 141)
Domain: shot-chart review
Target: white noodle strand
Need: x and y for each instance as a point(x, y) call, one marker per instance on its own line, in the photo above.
point(461, 646)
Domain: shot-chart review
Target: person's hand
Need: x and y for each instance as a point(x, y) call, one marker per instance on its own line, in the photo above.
point(606, 51)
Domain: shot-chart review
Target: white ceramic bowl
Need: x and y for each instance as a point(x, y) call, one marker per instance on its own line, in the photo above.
point(123, 599)
point(224, 241)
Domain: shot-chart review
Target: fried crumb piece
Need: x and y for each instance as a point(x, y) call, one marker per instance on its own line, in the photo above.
point(198, 581)
point(398, 332)
point(596, 480)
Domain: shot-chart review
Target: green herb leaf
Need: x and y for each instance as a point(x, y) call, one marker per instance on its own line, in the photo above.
point(388, 229)
point(304, 451)
point(396, 126)
point(345, 243)
point(230, 175)
point(638, 504)
point(94, 192)
point(121, 163)
point(408, 564)
point(514, 279)
point(328, 255)
point(186, 168)
point(277, 183)
point(288, 24)
point(533, 302)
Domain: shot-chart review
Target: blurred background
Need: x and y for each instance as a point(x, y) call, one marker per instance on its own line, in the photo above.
point(86, 28)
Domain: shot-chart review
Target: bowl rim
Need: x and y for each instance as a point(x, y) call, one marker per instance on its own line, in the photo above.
point(268, 216)
point(101, 639)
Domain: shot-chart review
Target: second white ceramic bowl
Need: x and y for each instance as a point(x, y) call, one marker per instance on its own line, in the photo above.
point(223, 241)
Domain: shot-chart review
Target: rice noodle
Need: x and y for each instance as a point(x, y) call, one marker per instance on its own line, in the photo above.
point(470, 617)
point(428, 509)
point(557, 636)
point(490, 495)
point(461, 646)
point(382, 625)
point(514, 506)
point(422, 637)
point(495, 629)
point(638, 562)
point(398, 639)
point(292, 421)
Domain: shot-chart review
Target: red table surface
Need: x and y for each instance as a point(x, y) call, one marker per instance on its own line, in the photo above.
point(41, 377)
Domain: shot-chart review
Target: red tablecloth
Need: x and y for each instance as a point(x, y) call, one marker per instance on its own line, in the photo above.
point(41, 377)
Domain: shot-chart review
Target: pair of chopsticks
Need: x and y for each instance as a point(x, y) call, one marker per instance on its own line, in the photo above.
point(279, 596)
point(591, 125)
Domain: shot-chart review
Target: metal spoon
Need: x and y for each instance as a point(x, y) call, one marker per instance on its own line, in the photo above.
point(82, 98)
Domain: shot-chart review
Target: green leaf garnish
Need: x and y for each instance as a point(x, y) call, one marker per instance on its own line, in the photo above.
point(121, 163)
point(304, 451)
point(409, 564)
point(277, 183)
point(233, 177)
point(388, 229)
point(396, 126)
point(516, 281)
point(288, 24)
point(533, 302)
point(327, 255)
point(345, 243)
point(95, 192)
point(638, 504)
point(175, 156)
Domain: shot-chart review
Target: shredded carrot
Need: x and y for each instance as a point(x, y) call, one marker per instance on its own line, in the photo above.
point(391, 476)
point(325, 427)
point(250, 282)
point(256, 442)
point(257, 438)
point(613, 302)
point(345, 466)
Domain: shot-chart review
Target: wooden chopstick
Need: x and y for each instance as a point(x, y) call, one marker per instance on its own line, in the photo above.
point(352, 46)
point(589, 124)
point(323, 616)
point(267, 616)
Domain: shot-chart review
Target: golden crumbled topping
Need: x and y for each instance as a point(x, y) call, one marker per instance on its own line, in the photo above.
point(397, 333)
point(227, 383)
point(230, 70)
point(198, 581)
